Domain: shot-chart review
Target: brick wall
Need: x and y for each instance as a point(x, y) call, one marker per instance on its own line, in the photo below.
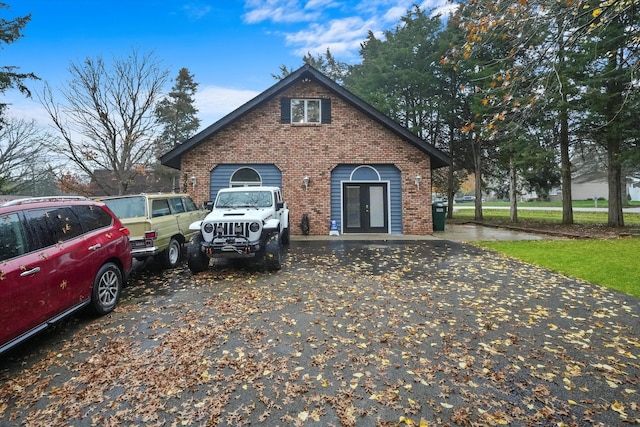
point(314, 151)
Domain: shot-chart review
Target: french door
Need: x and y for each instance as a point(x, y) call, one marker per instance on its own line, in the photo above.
point(365, 208)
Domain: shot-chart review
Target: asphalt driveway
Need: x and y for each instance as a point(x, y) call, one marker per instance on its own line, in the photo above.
point(347, 333)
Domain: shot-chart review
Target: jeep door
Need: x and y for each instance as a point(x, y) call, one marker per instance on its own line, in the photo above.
point(23, 280)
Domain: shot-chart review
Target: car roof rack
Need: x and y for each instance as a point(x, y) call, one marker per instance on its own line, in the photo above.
point(43, 199)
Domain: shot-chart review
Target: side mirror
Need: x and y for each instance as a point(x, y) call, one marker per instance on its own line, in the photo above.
point(279, 205)
point(208, 205)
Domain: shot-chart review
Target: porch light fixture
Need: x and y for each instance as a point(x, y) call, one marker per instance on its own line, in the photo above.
point(305, 182)
point(193, 181)
point(417, 180)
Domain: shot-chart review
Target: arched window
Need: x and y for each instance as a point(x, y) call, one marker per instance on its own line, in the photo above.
point(246, 177)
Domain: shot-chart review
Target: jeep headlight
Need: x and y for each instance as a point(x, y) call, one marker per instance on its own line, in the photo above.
point(254, 227)
point(208, 228)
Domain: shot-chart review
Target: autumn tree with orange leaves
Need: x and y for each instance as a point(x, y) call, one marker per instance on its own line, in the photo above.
point(578, 59)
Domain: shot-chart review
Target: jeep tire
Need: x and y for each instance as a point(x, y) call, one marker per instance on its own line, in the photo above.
point(273, 252)
point(196, 259)
point(286, 236)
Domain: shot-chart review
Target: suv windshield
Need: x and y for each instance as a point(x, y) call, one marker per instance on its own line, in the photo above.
point(127, 207)
point(244, 199)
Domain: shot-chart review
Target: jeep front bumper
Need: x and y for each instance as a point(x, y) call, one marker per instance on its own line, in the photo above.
point(231, 247)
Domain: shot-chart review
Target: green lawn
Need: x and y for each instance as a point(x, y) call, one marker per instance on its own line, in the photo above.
point(558, 204)
point(630, 219)
point(611, 263)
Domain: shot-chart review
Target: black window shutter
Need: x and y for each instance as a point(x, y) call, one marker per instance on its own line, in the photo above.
point(285, 110)
point(326, 110)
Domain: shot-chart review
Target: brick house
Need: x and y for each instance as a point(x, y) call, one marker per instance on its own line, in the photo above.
point(335, 157)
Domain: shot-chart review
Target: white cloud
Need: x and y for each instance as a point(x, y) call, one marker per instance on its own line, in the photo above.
point(26, 108)
point(339, 25)
point(341, 36)
point(279, 11)
point(212, 102)
point(196, 10)
point(215, 102)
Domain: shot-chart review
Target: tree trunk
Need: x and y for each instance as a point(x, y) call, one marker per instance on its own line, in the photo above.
point(477, 160)
point(565, 166)
point(565, 160)
point(451, 176)
point(614, 173)
point(513, 194)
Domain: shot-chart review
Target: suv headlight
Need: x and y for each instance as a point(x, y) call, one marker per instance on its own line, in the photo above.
point(208, 228)
point(254, 227)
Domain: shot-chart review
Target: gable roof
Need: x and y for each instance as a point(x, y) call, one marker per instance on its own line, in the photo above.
point(438, 158)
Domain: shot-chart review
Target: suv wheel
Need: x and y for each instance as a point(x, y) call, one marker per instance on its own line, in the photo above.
point(171, 256)
point(196, 260)
point(107, 287)
point(273, 253)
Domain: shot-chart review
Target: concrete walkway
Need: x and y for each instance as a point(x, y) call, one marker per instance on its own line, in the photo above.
point(453, 232)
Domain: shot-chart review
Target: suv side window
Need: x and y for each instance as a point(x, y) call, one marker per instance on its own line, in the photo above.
point(12, 239)
point(92, 217)
point(53, 225)
point(160, 207)
point(189, 204)
point(176, 205)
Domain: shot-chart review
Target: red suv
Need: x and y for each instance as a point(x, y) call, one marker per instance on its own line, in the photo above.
point(57, 255)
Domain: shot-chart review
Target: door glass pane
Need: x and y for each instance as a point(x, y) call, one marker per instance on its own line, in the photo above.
point(376, 203)
point(353, 207)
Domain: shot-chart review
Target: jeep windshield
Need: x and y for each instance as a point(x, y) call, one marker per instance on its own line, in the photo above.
point(244, 199)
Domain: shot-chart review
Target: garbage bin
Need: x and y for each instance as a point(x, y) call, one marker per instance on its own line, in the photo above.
point(439, 213)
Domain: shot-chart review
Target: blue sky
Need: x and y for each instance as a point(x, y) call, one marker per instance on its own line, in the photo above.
point(232, 47)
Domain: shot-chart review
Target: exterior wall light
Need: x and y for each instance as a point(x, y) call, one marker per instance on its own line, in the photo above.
point(418, 180)
point(193, 181)
point(305, 182)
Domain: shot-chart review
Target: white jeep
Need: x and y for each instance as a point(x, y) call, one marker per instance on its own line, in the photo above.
point(244, 222)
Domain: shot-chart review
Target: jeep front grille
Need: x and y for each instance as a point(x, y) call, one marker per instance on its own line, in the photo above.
point(231, 229)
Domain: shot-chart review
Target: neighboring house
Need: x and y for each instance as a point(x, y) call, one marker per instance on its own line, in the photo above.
point(335, 157)
point(593, 185)
point(143, 183)
point(634, 189)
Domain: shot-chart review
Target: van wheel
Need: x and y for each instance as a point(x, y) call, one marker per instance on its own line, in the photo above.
point(196, 259)
point(273, 253)
point(172, 255)
point(107, 287)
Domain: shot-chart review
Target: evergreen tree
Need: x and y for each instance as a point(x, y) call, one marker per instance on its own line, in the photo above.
point(10, 78)
point(177, 113)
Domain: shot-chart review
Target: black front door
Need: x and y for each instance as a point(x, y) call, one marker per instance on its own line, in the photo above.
point(365, 208)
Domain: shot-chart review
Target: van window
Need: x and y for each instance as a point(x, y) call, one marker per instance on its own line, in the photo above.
point(176, 205)
point(92, 217)
point(189, 204)
point(53, 225)
point(128, 207)
point(12, 241)
point(160, 207)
